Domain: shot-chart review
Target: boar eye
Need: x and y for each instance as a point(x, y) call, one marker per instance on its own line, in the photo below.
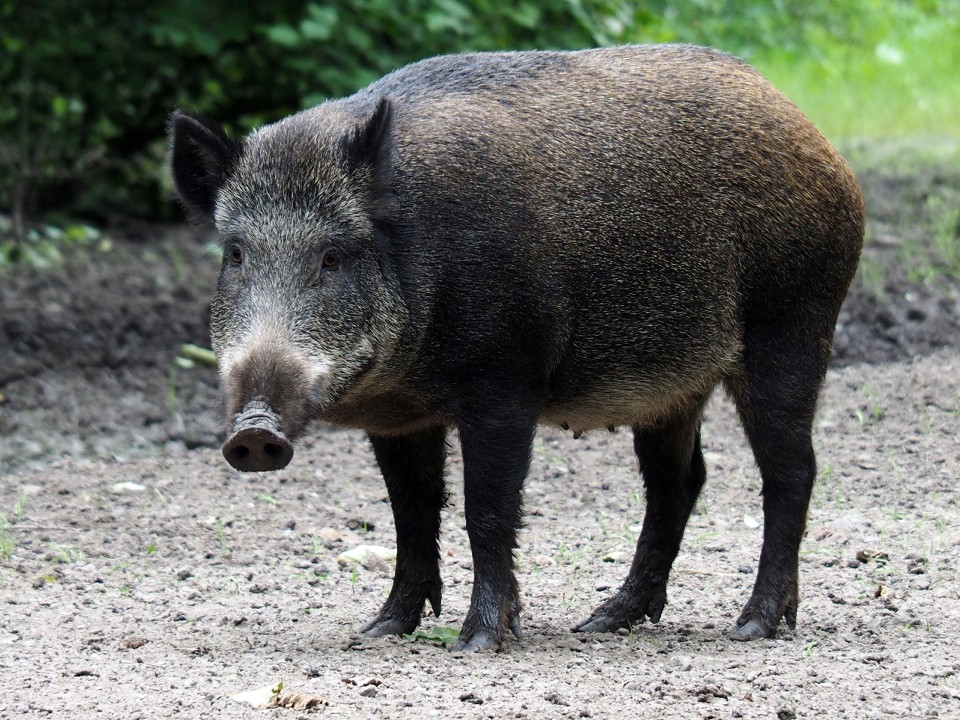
point(235, 254)
point(331, 260)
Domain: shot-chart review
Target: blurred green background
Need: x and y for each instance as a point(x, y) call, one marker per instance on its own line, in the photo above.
point(86, 85)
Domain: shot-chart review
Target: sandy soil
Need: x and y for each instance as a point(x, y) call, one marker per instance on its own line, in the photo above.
point(140, 577)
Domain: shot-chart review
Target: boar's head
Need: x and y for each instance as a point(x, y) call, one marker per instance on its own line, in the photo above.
point(304, 306)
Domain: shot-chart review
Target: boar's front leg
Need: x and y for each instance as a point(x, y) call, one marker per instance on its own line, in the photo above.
point(412, 467)
point(496, 458)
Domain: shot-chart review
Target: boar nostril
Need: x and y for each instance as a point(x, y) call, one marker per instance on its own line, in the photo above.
point(273, 450)
point(239, 452)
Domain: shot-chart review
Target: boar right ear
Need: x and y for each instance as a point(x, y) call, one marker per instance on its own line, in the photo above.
point(201, 157)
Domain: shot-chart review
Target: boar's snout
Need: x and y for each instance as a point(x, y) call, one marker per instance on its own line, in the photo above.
point(264, 394)
point(257, 448)
point(257, 444)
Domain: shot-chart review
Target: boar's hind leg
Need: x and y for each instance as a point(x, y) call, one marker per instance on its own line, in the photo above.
point(496, 458)
point(784, 365)
point(671, 463)
point(412, 467)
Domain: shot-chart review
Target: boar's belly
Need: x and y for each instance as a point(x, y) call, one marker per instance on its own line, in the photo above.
point(636, 405)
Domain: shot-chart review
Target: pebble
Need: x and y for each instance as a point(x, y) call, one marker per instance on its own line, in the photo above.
point(848, 522)
point(366, 554)
point(328, 536)
point(128, 487)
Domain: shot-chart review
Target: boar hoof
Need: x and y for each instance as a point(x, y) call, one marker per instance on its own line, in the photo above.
point(256, 449)
point(751, 630)
point(762, 614)
point(482, 639)
point(486, 637)
point(380, 627)
point(601, 623)
point(626, 608)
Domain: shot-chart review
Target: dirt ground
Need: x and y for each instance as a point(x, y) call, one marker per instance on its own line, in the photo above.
point(141, 577)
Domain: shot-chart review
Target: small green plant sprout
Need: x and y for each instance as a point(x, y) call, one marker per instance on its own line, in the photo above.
point(172, 389)
point(873, 405)
point(66, 555)
point(808, 650)
point(151, 549)
point(221, 536)
point(266, 498)
point(354, 576)
point(601, 523)
point(824, 481)
point(7, 544)
point(19, 507)
point(442, 635)
point(567, 555)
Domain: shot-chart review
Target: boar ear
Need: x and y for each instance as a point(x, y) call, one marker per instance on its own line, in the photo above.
point(367, 147)
point(201, 157)
point(367, 143)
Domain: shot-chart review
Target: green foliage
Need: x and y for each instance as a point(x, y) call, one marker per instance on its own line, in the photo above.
point(87, 86)
point(440, 634)
point(42, 245)
point(892, 73)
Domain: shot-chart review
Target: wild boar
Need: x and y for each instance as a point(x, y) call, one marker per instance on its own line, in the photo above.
point(489, 241)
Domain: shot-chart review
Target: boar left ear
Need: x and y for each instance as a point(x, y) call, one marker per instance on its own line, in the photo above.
point(201, 157)
point(368, 142)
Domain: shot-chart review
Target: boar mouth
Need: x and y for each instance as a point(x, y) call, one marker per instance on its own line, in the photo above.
point(257, 443)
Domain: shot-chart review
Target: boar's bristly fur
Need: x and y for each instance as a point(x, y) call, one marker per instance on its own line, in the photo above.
point(490, 241)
